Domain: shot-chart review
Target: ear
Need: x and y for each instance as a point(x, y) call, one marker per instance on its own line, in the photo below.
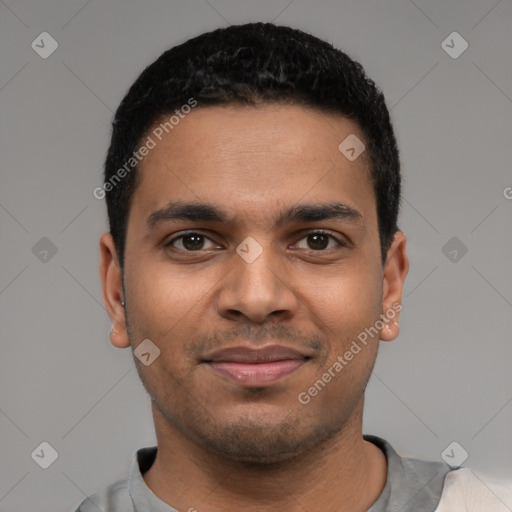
point(396, 268)
point(112, 284)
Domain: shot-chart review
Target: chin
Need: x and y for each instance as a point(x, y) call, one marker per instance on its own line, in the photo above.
point(255, 444)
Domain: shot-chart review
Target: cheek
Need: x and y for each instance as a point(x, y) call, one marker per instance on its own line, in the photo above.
point(163, 309)
point(166, 299)
point(345, 312)
point(345, 301)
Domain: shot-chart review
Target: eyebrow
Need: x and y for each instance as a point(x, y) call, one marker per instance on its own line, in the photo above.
point(176, 211)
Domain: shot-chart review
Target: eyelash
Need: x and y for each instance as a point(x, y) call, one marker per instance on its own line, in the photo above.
point(313, 232)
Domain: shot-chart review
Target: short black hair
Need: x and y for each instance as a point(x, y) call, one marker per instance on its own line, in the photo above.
point(252, 64)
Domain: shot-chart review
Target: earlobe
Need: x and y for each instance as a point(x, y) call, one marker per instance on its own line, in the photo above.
point(118, 338)
point(112, 286)
point(396, 268)
point(391, 330)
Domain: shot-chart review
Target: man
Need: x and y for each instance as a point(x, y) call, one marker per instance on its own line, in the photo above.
point(254, 263)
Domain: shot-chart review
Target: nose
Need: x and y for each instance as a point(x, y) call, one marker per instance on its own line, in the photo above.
point(255, 290)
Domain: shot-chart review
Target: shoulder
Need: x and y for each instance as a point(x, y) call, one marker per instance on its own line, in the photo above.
point(113, 498)
point(466, 490)
point(117, 497)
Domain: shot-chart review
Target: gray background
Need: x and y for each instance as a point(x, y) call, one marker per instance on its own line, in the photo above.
point(446, 378)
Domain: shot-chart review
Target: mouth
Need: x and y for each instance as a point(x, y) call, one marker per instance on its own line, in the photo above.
point(253, 367)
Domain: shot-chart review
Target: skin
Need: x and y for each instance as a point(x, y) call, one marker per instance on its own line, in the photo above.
point(221, 445)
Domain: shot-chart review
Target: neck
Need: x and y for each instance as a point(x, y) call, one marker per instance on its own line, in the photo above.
point(345, 473)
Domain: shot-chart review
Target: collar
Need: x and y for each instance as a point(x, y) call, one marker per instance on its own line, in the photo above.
point(412, 485)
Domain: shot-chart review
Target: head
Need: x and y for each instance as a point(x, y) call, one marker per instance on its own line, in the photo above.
point(231, 140)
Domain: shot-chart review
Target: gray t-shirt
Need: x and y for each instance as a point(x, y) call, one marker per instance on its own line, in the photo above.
point(412, 485)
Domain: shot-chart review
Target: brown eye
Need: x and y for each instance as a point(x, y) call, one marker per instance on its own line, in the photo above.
point(193, 242)
point(190, 242)
point(319, 241)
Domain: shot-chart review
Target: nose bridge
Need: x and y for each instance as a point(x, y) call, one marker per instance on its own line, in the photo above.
point(254, 287)
point(254, 264)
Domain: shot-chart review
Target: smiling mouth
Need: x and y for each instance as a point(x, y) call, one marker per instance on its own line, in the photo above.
point(257, 374)
point(256, 367)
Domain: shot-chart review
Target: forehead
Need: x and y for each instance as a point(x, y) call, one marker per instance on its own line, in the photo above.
point(253, 161)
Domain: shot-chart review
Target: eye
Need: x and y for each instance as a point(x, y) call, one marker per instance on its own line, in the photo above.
point(319, 241)
point(190, 242)
point(194, 242)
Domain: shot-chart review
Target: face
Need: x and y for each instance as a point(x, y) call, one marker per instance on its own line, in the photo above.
point(255, 296)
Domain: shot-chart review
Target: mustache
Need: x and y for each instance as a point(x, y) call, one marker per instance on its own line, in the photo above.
point(275, 333)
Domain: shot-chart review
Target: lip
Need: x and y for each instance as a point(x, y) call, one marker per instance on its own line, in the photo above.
point(256, 367)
